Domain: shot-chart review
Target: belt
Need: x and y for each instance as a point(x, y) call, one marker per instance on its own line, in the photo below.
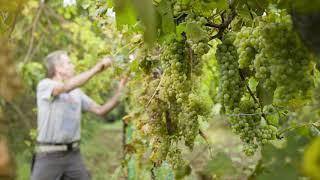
point(54, 147)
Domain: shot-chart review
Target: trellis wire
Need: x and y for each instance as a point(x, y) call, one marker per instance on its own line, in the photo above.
point(248, 114)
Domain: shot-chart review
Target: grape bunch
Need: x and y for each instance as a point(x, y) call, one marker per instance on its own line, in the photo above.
point(247, 120)
point(251, 126)
point(246, 42)
point(194, 107)
point(199, 45)
point(177, 90)
point(174, 86)
point(288, 60)
point(178, 7)
point(171, 107)
point(275, 54)
point(230, 85)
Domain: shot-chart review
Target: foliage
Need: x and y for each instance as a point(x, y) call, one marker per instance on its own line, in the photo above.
point(184, 57)
point(310, 159)
point(221, 165)
point(281, 162)
point(265, 72)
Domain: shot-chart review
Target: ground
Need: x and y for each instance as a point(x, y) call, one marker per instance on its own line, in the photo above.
point(102, 151)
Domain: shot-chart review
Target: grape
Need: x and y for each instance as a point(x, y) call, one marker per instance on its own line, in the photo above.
point(171, 106)
point(252, 129)
point(275, 54)
point(230, 83)
point(199, 46)
point(235, 100)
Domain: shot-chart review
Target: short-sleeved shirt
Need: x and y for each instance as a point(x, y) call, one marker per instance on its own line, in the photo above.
point(59, 116)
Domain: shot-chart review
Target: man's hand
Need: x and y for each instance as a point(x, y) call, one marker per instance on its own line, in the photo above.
point(80, 79)
point(122, 83)
point(112, 103)
point(103, 64)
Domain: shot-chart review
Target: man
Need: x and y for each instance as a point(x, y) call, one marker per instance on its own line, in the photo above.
point(60, 103)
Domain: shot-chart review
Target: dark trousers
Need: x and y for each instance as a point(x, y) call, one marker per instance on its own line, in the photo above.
point(64, 165)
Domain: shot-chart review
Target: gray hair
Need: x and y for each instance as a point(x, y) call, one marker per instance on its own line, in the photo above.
point(52, 60)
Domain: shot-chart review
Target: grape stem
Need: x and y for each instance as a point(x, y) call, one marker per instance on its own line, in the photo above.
point(155, 92)
point(252, 95)
point(191, 60)
point(127, 45)
point(153, 175)
point(225, 23)
point(170, 126)
point(249, 8)
point(181, 16)
point(294, 127)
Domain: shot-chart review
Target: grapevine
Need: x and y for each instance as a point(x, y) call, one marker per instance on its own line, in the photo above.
point(275, 54)
point(266, 55)
point(172, 88)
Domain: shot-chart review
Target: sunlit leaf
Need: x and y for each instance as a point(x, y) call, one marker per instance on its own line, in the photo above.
point(311, 159)
point(125, 14)
point(146, 14)
point(167, 22)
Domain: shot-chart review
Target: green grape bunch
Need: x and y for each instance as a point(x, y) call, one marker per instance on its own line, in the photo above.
point(200, 45)
point(230, 85)
point(247, 120)
point(273, 51)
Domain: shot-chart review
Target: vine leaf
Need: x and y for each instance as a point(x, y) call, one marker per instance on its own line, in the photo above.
point(134, 65)
point(253, 84)
point(180, 29)
point(281, 163)
point(310, 161)
point(265, 96)
point(195, 32)
point(146, 14)
point(125, 14)
point(167, 22)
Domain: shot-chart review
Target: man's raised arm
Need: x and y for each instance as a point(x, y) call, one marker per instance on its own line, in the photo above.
point(81, 78)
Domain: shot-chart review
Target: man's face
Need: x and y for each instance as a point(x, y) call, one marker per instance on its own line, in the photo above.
point(65, 68)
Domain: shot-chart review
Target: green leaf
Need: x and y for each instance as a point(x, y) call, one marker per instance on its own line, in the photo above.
point(219, 4)
point(146, 13)
point(206, 7)
point(253, 83)
point(245, 7)
point(195, 32)
point(134, 65)
point(281, 162)
point(125, 14)
point(167, 22)
point(181, 28)
point(311, 158)
point(265, 96)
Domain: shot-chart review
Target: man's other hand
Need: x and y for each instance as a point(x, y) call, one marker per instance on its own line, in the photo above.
point(123, 83)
